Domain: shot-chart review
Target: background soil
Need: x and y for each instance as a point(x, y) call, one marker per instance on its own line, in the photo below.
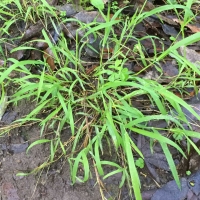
point(48, 184)
point(52, 184)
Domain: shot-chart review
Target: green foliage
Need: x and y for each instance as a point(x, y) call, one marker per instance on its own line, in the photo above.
point(188, 173)
point(97, 4)
point(139, 163)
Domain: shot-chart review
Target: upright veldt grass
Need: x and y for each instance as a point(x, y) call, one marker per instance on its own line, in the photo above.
point(97, 107)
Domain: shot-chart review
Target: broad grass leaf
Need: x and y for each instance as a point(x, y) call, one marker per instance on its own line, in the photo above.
point(52, 151)
point(104, 162)
point(159, 9)
point(51, 46)
point(158, 137)
point(151, 87)
point(193, 144)
point(99, 135)
point(112, 130)
point(71, 117)
point(184, 42)
point(78, 136)
point(22, 174)
point(3, 103)
point(188, 15)
point(83, 159)
point(173, 98)
point(101, 26)
point(22, 48)
point(63, 103)
point(5, 74)
point(86, 167)
point(40, 84)
point(123, 178)
point(132, 168)
point(63, 148)
point(184, 60)
point(99, 4)
point(134, 147)
point(75, 166)
point(51, 115)
point(152, 117)
point(97, 158)
point(113, 173)
point(170, 162)
point(37, 109)
point(187, 133)
point(25, 91)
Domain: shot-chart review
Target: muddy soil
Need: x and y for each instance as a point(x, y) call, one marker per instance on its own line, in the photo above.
point(52, 184)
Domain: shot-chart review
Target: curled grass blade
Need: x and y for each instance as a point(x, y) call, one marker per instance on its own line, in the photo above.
point(83, 159)
point(42, 141)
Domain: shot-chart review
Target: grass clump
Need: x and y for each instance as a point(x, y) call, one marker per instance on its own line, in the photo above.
point(98, 105)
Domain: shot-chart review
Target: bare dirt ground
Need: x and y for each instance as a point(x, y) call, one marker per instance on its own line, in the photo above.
point(52, 184)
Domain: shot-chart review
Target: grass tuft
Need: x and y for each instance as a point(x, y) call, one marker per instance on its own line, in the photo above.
point(99, 106)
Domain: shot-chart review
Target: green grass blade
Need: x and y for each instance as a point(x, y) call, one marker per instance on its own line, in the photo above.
point(42, 141)
point(171, 163)
point(132, 168)
point(158, 137)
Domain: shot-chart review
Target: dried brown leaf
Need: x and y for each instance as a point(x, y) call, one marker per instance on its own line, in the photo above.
point(193, 28)
point(48, 55)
